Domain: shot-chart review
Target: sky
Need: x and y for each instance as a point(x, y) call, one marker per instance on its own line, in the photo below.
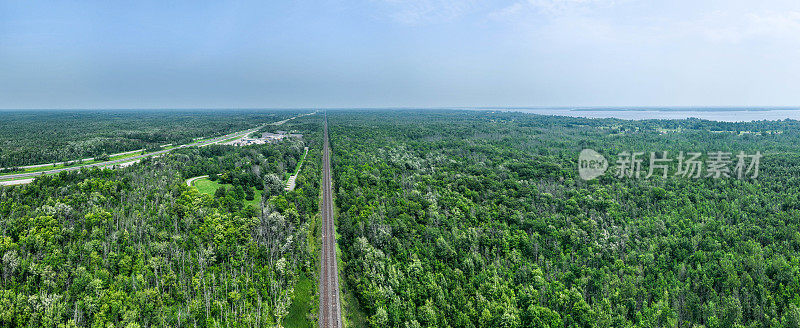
point(393, 53)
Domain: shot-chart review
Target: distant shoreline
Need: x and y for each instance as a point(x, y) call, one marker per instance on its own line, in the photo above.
point(720, 114)
point(682, 109)
point(642, 109)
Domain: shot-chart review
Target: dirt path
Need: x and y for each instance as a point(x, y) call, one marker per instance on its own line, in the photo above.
point(191, 180)
point(330, 314)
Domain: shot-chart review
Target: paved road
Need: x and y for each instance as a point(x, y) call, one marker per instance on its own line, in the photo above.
point(291, 118)
point(75, 160)
point(330, 314)
point(15, 182)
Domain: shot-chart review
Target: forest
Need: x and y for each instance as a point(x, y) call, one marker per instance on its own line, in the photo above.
point(137, 247)
point(478, 219)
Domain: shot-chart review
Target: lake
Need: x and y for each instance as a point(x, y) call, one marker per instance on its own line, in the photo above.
point(725, 114)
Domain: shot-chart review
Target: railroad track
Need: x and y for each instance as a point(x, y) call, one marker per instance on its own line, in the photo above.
point(330, 314)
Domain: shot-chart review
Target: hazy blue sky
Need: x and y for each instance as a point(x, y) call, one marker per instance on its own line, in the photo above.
point(144, 54)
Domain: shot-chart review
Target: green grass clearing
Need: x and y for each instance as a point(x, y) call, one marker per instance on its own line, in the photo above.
point(125, 155)
point(301, 304)
point(297, 168)
point(207, 186)
point(231, 139)
point(300, 164)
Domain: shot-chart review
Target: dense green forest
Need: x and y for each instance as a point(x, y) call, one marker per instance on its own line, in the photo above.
point(444, 219)
point(477, 219)
point(37, 137)
point(137, 247)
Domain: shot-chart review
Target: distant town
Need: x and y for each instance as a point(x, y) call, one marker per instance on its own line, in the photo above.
point(266, 137)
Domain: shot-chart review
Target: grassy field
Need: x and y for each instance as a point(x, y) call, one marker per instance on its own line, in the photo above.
point(231, 139)
point(207, 186)
point(125, 155)
point(297, 317)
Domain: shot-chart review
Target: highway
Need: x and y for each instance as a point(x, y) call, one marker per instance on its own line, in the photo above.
point(122, 160)
point(330, 314)
point(139, 157)
point(76, 160)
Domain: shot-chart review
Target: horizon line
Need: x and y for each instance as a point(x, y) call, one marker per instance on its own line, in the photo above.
point(494, 107)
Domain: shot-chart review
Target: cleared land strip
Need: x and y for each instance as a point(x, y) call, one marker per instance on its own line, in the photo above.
point(200, 143)
point(330, 314)
point(292, 179)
